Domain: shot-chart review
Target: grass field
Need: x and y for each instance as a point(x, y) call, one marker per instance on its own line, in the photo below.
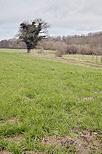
point(41, 98)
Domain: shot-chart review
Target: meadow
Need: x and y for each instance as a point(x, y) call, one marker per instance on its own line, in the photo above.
point(41, 98)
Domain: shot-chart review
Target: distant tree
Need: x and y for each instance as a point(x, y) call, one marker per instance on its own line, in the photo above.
point(32, 33)
point(4, 44)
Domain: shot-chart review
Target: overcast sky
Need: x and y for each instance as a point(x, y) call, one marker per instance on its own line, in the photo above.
point(67, 17)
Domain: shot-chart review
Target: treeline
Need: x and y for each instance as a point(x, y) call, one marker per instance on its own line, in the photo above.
point(89, 44)
point(84, 44)
point(12, 44)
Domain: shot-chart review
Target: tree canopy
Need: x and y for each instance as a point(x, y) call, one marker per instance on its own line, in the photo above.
point(32, 33)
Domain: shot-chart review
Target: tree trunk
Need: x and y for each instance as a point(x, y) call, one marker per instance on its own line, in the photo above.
point(28, 50)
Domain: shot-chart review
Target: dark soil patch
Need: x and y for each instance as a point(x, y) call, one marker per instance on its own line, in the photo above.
point(86, 143)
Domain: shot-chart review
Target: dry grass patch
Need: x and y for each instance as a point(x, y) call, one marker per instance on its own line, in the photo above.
point(12, 121)
point(51, 56)
point(29, 152)
point(5, 152)
point(88, 98)
point(98, 92)
point(17, 138)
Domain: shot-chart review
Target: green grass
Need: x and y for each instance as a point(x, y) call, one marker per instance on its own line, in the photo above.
point(21, 50)
point(40, 98)
point(16, 50)
point(72, 59)
point(13, 50)
point(86, 58)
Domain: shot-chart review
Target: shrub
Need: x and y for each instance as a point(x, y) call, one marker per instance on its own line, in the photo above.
point(83, 50)
point(60, 49)
point(98, 52)
point(58, 53)
point(71, 49)
point(90, 52)
point(41, 51)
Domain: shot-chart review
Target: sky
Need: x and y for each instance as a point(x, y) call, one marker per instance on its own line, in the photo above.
point(66, 17)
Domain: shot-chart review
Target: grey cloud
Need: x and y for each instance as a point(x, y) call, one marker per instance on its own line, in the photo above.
point(65, 16)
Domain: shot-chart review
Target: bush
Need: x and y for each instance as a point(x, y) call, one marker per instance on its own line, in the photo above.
point(60, 49)
point(72, 49)
point(87, 51)
point(98, 52)
point(59, 53)
point(41, 51)
point(90, 52)
point(83, 50)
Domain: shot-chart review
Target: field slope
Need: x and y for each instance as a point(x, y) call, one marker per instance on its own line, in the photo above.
point(40, 98)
